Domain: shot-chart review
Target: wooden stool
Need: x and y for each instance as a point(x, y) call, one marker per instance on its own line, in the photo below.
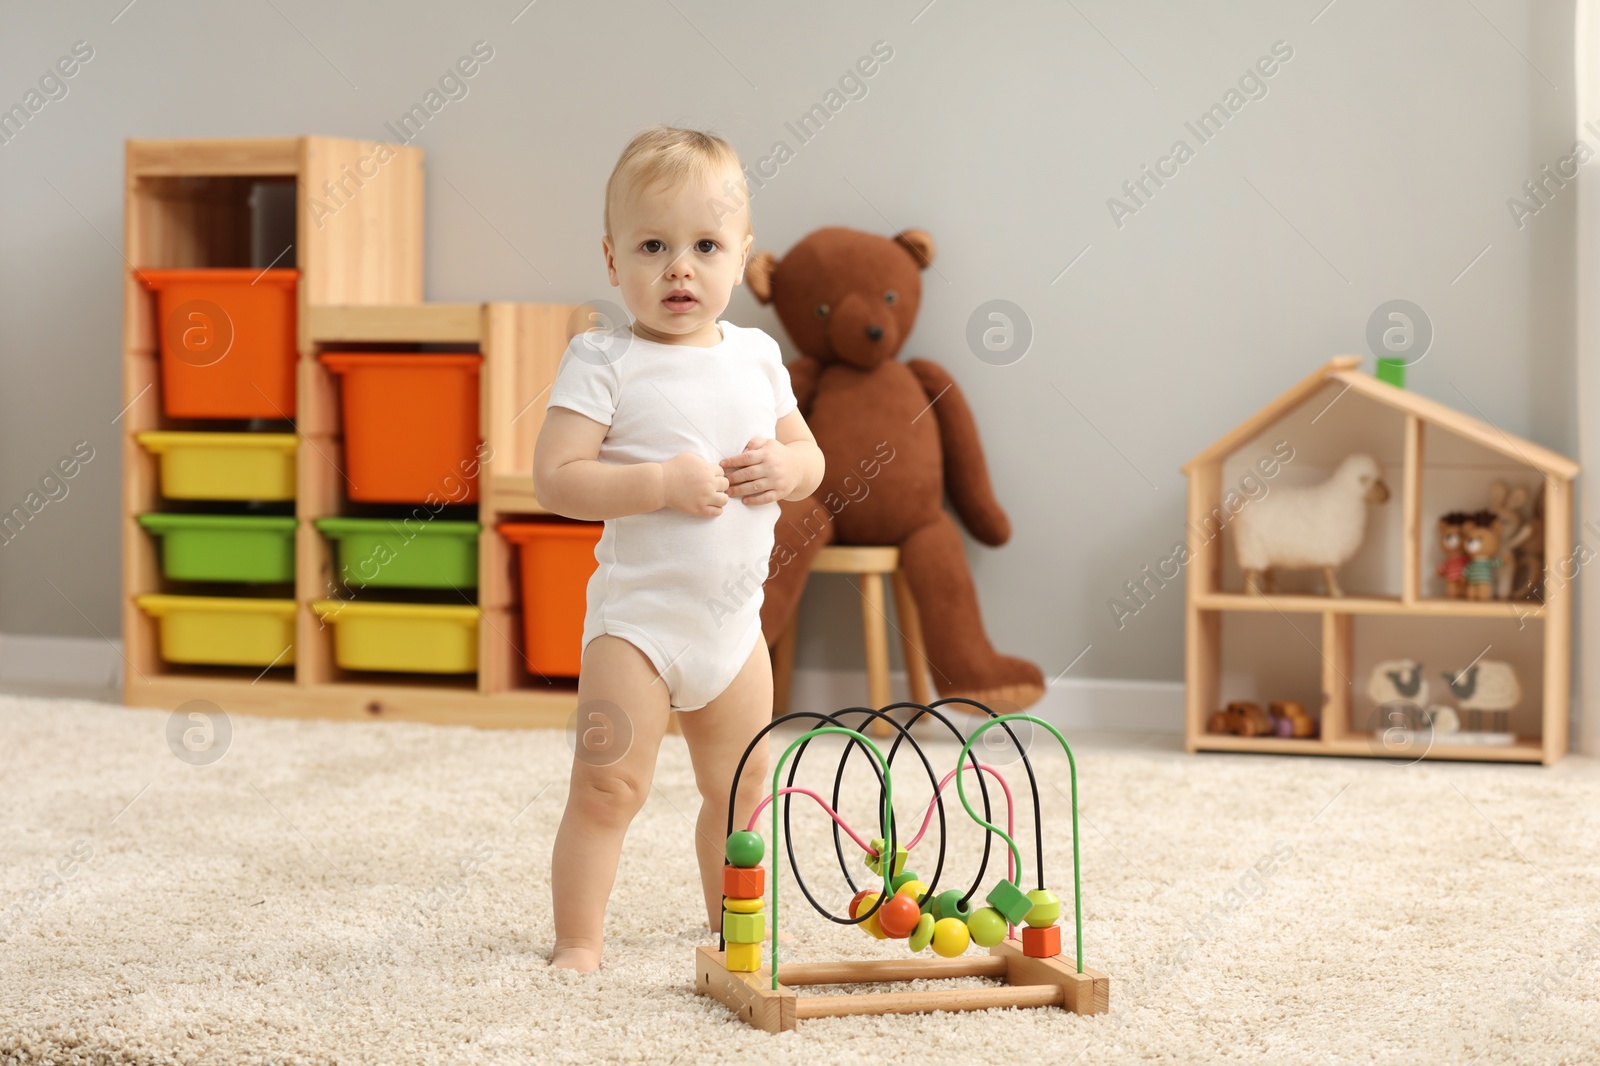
point(869, 564)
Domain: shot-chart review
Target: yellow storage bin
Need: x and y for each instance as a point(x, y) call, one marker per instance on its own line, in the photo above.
point(223, 466)
point(222, 630)
point(413, 637)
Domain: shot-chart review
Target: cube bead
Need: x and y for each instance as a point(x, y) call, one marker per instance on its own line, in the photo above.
point(1041, 942)
point(744, 958)
point(743, 928)
point(874, 862)
point(742, 906)
point(1012, 903)
point(744, 882)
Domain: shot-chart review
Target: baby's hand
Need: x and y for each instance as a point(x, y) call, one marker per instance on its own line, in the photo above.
point(694, 486)
point(766, 471)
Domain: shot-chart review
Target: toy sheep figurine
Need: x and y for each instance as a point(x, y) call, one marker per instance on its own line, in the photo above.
point(1315, 526)
point(1486, 685)
point(1400, 690)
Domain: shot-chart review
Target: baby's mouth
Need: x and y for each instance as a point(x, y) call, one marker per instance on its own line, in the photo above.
point(680, 300)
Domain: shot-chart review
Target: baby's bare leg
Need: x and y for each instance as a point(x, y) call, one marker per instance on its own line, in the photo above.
point(717, 735)
point(622, 714)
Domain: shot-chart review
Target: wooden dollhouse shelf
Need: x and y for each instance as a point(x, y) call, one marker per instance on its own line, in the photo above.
point(1261, 648)
point(1240, 601)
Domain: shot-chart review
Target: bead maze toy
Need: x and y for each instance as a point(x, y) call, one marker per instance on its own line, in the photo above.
point(902, 906)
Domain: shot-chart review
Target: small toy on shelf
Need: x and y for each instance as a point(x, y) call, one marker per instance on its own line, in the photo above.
point(1289, 719)
point(1509, 505)
point(1480, 538)
point(1491, 686)
point(1528, 581)
point(1454, 567)
point(1241, 718)
point(1319, 526)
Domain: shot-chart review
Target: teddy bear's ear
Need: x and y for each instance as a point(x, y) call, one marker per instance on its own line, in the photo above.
point(919, 244)
point(758, 275)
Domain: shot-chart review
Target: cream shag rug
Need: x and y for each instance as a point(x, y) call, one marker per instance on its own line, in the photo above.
point(379, 893)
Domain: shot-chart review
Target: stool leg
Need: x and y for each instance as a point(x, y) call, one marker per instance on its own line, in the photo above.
point(783, 665)
point(911, 638)
point(875, 634)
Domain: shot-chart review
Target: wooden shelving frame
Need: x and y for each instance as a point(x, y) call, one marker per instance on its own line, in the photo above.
point(1207, 602)
point(360, 284)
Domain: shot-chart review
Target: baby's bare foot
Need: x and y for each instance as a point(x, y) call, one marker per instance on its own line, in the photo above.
point(583, 960)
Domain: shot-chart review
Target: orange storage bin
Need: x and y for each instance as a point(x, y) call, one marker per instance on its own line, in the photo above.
point(227, 341)
point(410, 424)
point(557, 561)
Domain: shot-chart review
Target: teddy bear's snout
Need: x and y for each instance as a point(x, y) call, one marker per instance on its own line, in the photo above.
point(861, 334)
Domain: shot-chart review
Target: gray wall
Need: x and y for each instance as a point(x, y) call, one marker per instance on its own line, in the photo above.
point(1377, 166)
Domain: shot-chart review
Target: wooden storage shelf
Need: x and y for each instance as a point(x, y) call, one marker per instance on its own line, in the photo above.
point(1431, 454)
point(1240, 601)
point(360, 284)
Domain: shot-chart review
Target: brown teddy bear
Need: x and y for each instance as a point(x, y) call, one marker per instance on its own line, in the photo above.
point(897, 436)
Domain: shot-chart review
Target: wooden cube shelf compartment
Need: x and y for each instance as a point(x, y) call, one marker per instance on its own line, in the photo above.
point(1435, 455)
point(358, 250)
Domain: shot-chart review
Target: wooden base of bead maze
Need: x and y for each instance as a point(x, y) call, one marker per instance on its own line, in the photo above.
point(1029, 982)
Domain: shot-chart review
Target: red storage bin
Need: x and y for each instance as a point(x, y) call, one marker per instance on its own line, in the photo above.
point(410, 424)
point(227, 341)
point(557, 561)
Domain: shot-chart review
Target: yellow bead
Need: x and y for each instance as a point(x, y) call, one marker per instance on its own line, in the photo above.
point(915, 889)
point(741, 906)
point(744, 958)
point(950, 937)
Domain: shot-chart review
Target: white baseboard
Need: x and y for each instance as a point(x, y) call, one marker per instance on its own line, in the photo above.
point(1078, 704)
point(1085, 705)
point(81, 661)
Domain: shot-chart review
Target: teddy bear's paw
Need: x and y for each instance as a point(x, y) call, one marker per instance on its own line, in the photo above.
point(1012, 685)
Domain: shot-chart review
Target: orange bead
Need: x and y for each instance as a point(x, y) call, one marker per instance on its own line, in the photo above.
point(1043, 943)
point(855, 901)
point(899, 916)
point(744, 882)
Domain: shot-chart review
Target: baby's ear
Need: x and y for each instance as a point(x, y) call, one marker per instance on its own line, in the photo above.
point(758, 275)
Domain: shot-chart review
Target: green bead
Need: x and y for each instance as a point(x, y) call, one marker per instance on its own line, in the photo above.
point(922, 935)
point(1046, 909)
point(899, 879)
point(874, 863)
point(745, 848)
point(743, 928)
point(988, 928)
point(1010, 901)
point(950, 905)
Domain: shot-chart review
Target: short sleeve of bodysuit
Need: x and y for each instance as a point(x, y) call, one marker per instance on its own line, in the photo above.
point(772, 362)
point(587, 380)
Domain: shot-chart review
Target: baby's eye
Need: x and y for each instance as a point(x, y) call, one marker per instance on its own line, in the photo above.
point(652, 246)
point(822, 310)
point(890, 297)
point(705, 247)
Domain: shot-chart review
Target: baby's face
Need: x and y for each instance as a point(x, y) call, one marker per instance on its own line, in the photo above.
point(677, 254)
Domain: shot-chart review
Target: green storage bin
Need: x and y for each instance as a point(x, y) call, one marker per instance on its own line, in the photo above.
point(404, 552)
point(224, 547)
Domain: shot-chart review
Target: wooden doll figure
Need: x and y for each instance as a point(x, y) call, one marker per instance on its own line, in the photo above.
point(1480, 537)
point(1454, 567)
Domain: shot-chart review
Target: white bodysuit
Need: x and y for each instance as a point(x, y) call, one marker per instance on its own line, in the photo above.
point(685, 590)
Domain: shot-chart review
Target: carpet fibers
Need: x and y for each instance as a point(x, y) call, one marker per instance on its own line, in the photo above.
point(379, 893)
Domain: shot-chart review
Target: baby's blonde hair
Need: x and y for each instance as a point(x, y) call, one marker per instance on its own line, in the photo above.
point(669, 156)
